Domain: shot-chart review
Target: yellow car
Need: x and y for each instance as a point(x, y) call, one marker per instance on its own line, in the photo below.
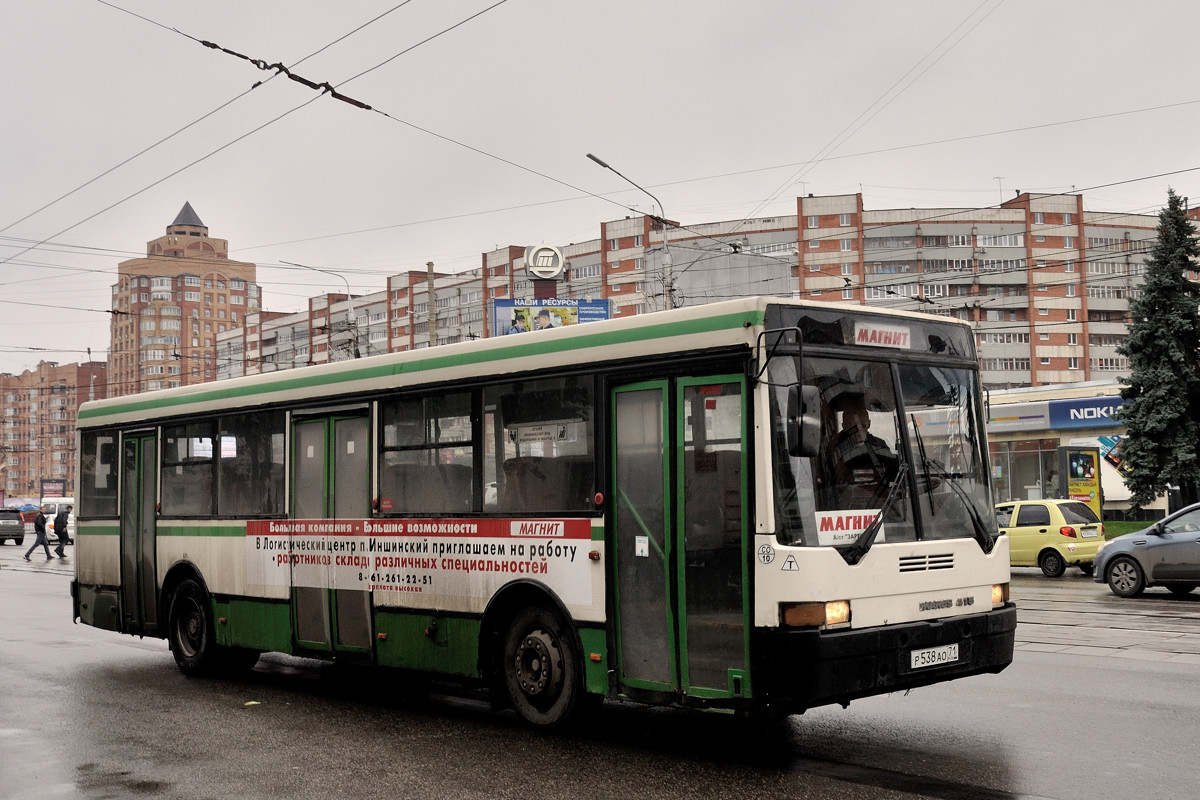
point(1051, 534)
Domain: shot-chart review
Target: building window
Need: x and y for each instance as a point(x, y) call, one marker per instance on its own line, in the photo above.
point(1066, 219)
point(814, 221)
point(1045, 362)
point(637, 240)
point(612, 244)
point(1045, 337)
point(1069, 266)
point(847, 245)
point(1043, 312)
point(813, 244)
point(847, 269)
point(844, 220)
point(1070, 315)
point(1072, 363)
point(847, 293)
point(1068, 241)
point(1072, 338)
point(1070, 290)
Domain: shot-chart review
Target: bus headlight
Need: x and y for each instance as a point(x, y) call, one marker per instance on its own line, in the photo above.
point(815, 615)
point(999, 594)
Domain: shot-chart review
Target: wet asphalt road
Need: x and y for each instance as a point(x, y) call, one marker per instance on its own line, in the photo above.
point(1103, 701)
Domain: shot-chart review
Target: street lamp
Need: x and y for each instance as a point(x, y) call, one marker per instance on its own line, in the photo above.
point(351, 321)
point(668, 270)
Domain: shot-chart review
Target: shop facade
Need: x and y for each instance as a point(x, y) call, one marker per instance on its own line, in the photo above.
point(1027, 429)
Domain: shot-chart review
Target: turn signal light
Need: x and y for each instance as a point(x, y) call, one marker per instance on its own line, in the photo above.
point(814, 615)
point(999, 594)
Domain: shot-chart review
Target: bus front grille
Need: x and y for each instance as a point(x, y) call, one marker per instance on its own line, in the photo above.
point(927, 562)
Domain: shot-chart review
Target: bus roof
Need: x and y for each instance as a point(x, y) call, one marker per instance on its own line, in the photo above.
point(724, 324)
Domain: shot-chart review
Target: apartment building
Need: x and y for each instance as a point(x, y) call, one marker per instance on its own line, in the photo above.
point(37, 434)
point(1045, 283)
point(169, 307)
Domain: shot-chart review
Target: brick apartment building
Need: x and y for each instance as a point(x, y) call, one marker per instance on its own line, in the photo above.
point(37, 437)
point(1045, 283)
point(169, 307)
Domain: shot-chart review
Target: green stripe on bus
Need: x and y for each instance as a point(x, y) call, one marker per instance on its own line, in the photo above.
point(167, 529)
point(543, 347)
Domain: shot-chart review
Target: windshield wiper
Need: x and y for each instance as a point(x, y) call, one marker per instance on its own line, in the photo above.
point(982, 534)
point(924, 460)
point(855, 552)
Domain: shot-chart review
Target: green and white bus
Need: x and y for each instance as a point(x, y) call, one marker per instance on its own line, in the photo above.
point(682, 508)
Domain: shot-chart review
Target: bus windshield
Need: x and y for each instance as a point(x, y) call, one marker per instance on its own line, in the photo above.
point(902, 442)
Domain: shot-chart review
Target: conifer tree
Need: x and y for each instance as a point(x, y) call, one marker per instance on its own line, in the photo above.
point(1161, 411)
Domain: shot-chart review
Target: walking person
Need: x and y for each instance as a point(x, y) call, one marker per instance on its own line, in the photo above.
point(39, 528)
point(60, 529)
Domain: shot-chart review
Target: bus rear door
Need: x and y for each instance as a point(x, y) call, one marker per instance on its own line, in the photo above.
point(139, 575)
point(330, 480)
point(680, 536)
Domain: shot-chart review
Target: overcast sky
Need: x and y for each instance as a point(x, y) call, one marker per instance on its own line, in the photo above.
point(478, 137)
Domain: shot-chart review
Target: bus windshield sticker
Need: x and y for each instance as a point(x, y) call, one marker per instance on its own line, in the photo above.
point(879, 335)
point(522, 434)
point(836, 528)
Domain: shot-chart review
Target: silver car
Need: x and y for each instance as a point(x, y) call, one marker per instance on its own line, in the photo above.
point(1165, 554)
point(12, 526)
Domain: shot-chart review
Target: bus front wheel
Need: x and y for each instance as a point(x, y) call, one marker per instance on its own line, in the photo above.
point(542, 671)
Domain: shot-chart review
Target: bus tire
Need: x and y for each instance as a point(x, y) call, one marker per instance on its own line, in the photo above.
point(190, 630)
point(542, 672)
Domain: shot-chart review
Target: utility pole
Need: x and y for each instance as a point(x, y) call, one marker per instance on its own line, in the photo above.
point(351, 318)
point(432, 304)
point(668, 269)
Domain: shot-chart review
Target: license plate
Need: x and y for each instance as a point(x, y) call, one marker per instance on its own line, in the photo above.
point(1086, 534)
point(933, 656)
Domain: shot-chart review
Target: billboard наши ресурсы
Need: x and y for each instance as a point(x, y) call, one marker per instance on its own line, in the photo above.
point(519, 316)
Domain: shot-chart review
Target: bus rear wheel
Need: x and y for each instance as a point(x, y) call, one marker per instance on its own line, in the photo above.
point(193, 639)
point(542, 672)
point(190, 629)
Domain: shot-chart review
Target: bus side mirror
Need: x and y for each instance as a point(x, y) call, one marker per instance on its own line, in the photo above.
point(804, 421)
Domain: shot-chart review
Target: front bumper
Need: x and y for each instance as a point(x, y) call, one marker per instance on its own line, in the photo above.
point(805, 668)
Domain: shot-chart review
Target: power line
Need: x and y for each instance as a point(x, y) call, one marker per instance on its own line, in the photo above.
point(855, 125)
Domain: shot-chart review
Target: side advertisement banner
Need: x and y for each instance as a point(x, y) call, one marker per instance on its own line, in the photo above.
point(444, 557)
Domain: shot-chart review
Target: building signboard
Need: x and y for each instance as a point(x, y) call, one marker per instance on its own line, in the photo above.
point(530, 314)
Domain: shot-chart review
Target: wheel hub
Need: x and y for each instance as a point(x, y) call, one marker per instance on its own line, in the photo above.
point(535, 659)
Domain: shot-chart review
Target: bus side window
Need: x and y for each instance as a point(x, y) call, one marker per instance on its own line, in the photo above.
point(540, 437)
point(535, 483)
point(426, 455)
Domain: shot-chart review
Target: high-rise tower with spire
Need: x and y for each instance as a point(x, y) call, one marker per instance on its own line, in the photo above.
point(169, 306)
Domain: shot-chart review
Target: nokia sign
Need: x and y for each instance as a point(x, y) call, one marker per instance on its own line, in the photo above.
point(1091, 412)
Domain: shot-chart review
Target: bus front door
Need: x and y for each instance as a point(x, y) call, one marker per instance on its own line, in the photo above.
point(330, 480)
point(680, 536)
point(139, 573)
